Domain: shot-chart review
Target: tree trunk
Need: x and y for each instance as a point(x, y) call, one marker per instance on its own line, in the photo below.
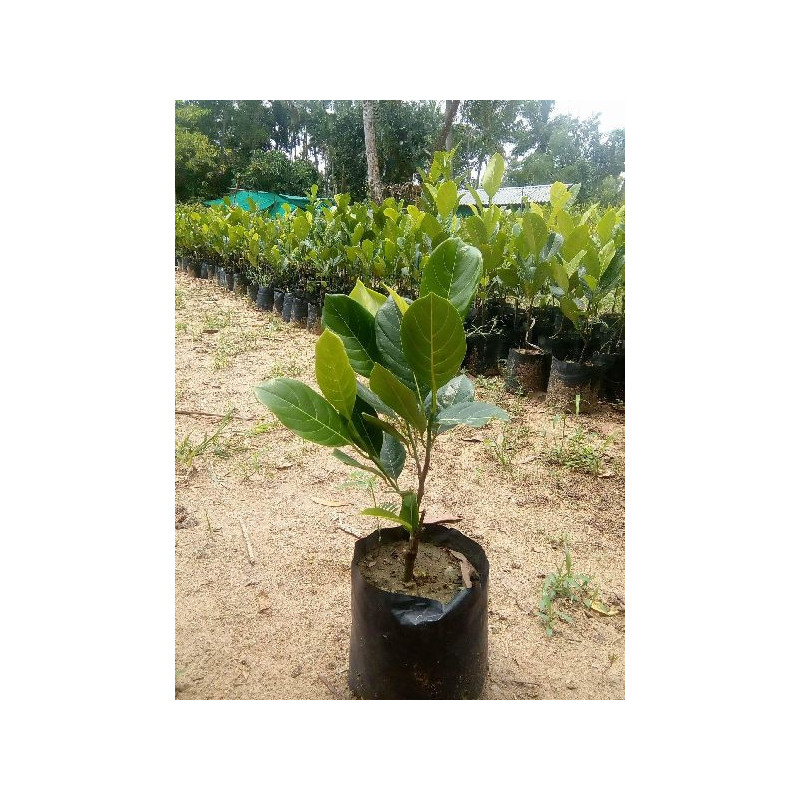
point(373, 172)
point(446, 136)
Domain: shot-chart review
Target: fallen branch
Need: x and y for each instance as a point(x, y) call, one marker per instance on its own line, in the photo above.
point(217, 416)
point(248, 543)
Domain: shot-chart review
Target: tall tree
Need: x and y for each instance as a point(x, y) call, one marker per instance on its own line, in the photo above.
point(445, 140)
point(373, 170)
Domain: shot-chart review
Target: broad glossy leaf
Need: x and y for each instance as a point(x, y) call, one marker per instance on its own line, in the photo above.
point(613, 274)
point(606, 225)
point(409, 509)
point(559, 194)
point(370, 299)
point(476, 228)
point(351, 462)
point(472, 413)
point(459, 390)
point(371, 399)
point(356, 328)
point(476, 197)
point(384, 514)
point(393, 456)
point(559, 274)
point(398, 301)
point(302, 224)
point(433, 339)
point(534, 229)
point(303, 411)
point(430, 225)
point(367, 247)
point(564, 223)
point(452, 272)
point(552, 246)
point(493, 176)
point(366, 436)
point(571, 310)
point(385, 426)
point(447, 198)
point(575, 242)
point(397, 396)
point(390, 346)
point(335, 376)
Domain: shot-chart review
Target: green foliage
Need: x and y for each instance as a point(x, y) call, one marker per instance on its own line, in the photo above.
point(388, 418)
point(579, 450)
point(564, 584)
point(558, 253)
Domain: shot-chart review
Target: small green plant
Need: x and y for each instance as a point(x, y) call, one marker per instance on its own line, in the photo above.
point(501, 446)
point(186, 451)
point(291, 368)
point(578, 450)
point(216, 322)
point(180, 299)
point(563, 584)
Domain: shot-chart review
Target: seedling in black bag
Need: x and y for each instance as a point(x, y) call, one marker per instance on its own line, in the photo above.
point(410, 355)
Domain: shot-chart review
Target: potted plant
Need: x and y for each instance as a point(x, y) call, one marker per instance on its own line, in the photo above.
point(404, 642)
point(590, 266)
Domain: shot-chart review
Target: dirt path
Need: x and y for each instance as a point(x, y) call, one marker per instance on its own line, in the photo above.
point(278, 628)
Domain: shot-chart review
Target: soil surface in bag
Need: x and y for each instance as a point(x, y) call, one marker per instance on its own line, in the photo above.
point(437, 573)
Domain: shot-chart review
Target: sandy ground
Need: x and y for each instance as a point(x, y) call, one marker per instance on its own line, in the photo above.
point(278, 628)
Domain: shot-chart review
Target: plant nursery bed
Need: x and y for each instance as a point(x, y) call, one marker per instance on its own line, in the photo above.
point(265, 524)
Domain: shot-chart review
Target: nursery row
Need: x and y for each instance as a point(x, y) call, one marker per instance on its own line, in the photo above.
point(553, 277)
point(527, 369)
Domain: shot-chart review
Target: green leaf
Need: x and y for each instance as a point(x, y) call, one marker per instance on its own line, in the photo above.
point(565, 223)
point(367, 247)
point(458, 390)
point(390, 346)
point(613, 274)
point(534, 229)
point(303, 411)
point(356, 328)
point(409, 510)
point(476, 197)
point(368, 298)
point(351, 462)
point(453, 272)
point(430, 225)
point(393, 455)
point(475, 414)
point(493, 176)
point(575, 242)
point(369, 397)
point(368, 437)
point(398, 301)
point(559, 274)
point(300, 225)
point(384, 514)
point(606, 225)
point(433, 339)
point(552, 246)
point(447, 198)
point(397, 396)
point(571, 310)
point(384, 426)
point(476, 229)
point(559, 194)
point(335, 376)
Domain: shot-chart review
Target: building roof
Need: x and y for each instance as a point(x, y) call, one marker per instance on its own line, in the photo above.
point(512, 195)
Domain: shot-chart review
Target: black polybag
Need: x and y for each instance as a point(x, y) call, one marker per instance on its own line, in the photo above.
point(414, 648)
